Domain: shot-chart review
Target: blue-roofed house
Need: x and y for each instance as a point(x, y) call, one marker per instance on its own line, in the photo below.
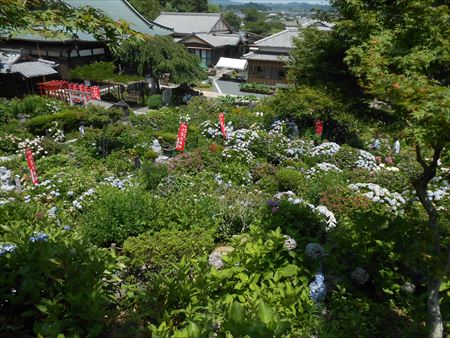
point(82, 48)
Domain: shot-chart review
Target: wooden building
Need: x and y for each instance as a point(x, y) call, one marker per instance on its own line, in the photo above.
point(206, 35)
point(268, 56)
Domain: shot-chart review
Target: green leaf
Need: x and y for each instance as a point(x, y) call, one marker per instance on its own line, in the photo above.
point(288, 270)
point(265, 313)
point(42, 308)
point(235, 312)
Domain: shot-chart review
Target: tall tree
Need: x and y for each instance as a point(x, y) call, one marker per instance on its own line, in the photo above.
point(400, 53)
point(233, 20)
point(160, 56)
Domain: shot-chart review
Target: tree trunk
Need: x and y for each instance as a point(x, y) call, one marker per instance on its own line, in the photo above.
point(435, 325)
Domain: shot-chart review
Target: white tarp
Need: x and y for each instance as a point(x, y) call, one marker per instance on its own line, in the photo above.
point(230, 63)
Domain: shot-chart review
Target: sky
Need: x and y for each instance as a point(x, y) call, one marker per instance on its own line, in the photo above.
point(314, 2)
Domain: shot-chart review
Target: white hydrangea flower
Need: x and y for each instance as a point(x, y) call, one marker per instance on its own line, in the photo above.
point(322, 167)
point(327, 148)
point(289, 243)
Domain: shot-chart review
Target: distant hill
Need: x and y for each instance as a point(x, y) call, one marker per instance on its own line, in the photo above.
point(266, 6)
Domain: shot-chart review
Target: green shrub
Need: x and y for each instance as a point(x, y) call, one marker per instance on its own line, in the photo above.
point(260, 291)
point(112, 137)
point(115, 215)
point(119, 162)
point(55, 284)
point(152, 174)
point(166, 137)
point(289, 179)
point(346, 157)
point(158, 251)
point(256, 88)
point(150, 155)
point(69, 120)
point(154, 101)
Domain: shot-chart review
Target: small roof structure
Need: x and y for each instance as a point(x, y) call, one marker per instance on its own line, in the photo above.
point(265, 57)
point(34, 69)
point(283, 39)
point(214, 40)
point(230, 63)
point(188, 23)
point(11, 61)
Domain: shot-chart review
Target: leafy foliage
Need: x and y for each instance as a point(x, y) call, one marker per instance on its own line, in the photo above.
point(161, 56)
point(101, 72)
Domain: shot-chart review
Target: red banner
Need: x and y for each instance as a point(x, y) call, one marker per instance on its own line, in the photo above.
point(319, 127)
point(182, 135)
point(31, 166)
point(222, 125)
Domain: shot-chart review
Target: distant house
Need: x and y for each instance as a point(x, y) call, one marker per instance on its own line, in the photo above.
point(268, 56)
point(19, 73)
point(207, 35)
point(81, 48)
point(303, 22)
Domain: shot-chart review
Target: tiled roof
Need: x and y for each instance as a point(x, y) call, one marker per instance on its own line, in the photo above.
point(283, 39)
point(122, 10)
point(266, 57)
point(186, 23)
point(218, 40)
point(57, 37)
point(33, 69)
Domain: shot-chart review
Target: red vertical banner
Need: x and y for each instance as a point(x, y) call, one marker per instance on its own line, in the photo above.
point(319, 127)
point(31, 166)
point(222, 125)
point(182, 134)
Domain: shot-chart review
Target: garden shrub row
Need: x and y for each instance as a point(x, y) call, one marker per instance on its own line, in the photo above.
point(256, 88)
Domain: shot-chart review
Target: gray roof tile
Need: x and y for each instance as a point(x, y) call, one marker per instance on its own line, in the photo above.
point(283, 39)
point(218, 40)
point(186, 23)
point(33, 69)
point(266, 57)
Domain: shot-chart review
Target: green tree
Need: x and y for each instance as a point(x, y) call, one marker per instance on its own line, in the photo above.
point(400, 53)
point(253, 15)
point(233, 20)
point(255, 21)
point(161, 57)
point(148, 8)
point(189, 5)
point(317, 60)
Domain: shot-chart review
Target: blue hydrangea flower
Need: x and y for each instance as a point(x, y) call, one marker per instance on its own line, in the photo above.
point(7, 248)
point(317, 288)
point(67, 227)
point(39, 236)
